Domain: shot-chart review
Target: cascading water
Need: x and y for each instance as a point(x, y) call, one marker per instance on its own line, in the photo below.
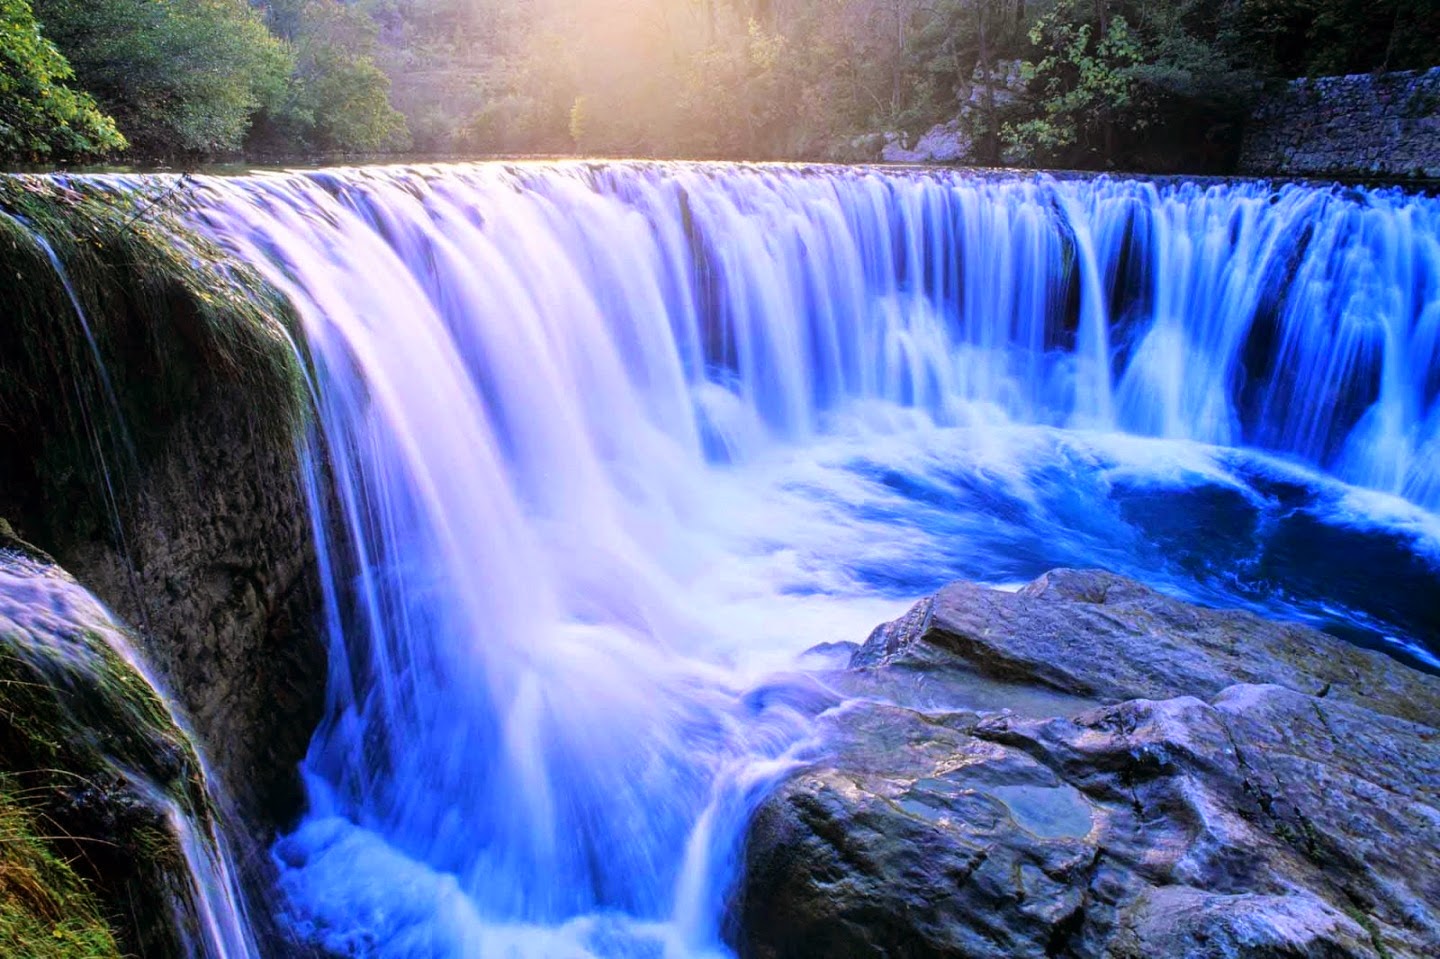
point(71, 646)
point(609, 444)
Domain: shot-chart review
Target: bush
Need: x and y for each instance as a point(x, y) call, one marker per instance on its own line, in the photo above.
point(180, 77)
point(40, 116)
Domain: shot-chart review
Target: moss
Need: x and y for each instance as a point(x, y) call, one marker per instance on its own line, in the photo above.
point(1372, 929)
point(85, 707)
point(85, 743)
point(109, 832)
point(115, 309)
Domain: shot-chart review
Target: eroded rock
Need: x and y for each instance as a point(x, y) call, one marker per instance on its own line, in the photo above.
point(1246, 789)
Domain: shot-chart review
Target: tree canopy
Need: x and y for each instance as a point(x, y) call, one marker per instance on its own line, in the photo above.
point(41, 116)
point(337, 98)
point(179, 76)
point(1106, 82)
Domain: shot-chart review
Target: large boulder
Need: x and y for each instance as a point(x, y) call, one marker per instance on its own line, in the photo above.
point(943, 143)
point(1173, 781)
point(981, 103)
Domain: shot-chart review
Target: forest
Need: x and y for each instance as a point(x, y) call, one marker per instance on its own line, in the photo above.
point(1106, 83)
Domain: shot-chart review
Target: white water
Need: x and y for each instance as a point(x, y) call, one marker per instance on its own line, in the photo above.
point(612, 443)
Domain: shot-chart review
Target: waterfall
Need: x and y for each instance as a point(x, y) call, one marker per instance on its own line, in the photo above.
point(606, 445)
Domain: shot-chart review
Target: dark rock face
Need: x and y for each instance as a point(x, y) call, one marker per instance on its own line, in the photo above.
point(1218, 786)
point(150, 394)
point(221, 576)
point(217, 574)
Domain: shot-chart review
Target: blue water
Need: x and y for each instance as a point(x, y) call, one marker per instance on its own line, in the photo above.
point(607, 446)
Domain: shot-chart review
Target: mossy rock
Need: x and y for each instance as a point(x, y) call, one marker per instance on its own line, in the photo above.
point(91, 766)
point(152, 398)
point(113, 309)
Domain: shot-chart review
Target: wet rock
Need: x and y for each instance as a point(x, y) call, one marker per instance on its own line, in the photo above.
point(1216, 804)
point(151, 397)
point(91, 766)
point(216, 571)
point(1104, 637)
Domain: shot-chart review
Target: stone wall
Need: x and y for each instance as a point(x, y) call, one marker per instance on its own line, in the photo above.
point(1385, 125)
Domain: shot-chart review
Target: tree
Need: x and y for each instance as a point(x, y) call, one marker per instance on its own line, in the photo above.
point(40, 116)
point(337, 98)
point(181, 77)
point(956, 42)
point(1086, 79)
point(1317, 37)
point(1135, 83)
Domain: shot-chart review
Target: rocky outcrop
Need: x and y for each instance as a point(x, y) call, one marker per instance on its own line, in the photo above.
point(955, 141)
point(217, 570)
point(1100, 770)
point(1368, 125)
point(96, 778)
point(149, 407)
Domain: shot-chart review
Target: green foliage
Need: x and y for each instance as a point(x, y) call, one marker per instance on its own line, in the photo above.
point(1138, 84)
point(40, 115)
point(181, 77)
point(1086, 79)
point(451, 64)
point(337, 99)
point(1112, 81)
point(1294, 38)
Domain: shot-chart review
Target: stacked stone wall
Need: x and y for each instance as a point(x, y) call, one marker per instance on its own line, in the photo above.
point(1368, 125)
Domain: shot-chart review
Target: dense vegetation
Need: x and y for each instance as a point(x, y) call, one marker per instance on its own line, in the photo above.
point(39, 114)
point(1105, 81)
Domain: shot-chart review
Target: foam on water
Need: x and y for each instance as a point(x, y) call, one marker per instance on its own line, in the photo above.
point(611, 444)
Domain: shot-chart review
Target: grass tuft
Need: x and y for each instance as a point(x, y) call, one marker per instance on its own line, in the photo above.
point(46, 910)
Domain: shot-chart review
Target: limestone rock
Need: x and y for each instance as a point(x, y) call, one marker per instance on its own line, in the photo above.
point(217, 574)
point(943, 143)
point(954, 141)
